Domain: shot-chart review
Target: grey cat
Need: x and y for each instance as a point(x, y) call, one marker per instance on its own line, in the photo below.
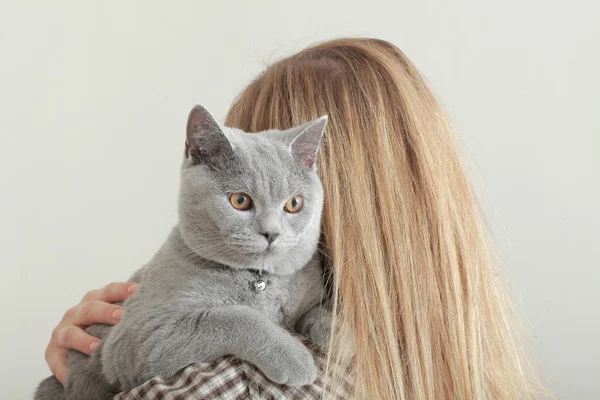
point(235, 276)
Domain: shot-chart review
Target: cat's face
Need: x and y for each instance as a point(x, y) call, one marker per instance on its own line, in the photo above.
point(251, 201)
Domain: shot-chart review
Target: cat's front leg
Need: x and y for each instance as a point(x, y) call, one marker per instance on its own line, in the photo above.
point(139, 348)
point(247, 334)
point(315, 325)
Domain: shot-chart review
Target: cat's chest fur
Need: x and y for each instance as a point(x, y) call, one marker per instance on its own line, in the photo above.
point(175, 276)
point(284, 299)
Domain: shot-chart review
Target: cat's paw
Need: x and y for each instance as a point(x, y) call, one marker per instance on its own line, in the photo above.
point(290, 363)
point(319, 333)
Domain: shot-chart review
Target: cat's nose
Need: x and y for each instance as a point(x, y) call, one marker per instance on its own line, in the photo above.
point(270, 236)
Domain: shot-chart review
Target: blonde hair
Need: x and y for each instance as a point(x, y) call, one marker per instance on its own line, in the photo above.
point(419, 311)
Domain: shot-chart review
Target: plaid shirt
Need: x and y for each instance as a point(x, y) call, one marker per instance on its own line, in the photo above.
point(229, 378)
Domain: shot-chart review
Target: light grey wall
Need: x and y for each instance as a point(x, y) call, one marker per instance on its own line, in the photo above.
point(93, 101)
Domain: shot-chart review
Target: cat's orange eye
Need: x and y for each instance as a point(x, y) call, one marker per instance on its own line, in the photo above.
point(240, 201)
point(294, 204)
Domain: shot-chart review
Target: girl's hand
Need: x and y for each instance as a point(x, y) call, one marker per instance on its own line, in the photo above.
point(95, 308)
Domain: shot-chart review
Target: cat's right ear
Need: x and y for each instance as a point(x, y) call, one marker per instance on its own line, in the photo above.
point(305, 141)
point(204, 137)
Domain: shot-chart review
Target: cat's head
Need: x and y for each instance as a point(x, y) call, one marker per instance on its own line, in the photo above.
point(251, 201)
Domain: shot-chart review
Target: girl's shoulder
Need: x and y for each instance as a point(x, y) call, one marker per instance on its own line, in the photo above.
point(231, 378)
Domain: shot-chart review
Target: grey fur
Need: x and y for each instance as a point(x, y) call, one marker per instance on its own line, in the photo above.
point(196, 301)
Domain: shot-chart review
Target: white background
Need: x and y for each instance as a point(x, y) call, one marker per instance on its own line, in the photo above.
point(93, 102)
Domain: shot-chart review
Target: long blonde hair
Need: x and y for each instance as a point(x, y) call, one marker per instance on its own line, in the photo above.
point(420, 312)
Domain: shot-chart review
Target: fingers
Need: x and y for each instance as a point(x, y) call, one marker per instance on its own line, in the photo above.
point(56, 358)
point(113, 292)
point(73, 337)
point(93, 312)
point(95, 308)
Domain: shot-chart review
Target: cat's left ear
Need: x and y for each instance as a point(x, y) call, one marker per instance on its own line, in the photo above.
point(204, 137)
point(305, 141)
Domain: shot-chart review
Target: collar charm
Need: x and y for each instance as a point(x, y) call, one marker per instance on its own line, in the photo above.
point(260, 284)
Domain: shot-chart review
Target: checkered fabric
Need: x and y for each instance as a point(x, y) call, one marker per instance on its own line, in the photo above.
point(229, 378)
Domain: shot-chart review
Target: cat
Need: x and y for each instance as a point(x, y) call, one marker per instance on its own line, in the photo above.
point(236, 275)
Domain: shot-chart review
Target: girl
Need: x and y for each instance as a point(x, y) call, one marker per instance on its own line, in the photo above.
point(419, 311)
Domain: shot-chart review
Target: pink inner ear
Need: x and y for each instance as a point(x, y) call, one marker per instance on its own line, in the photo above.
point(187, 149)
point(309, 162)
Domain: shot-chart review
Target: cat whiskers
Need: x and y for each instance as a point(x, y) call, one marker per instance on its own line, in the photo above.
point(245, 242)
point(209, 246)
